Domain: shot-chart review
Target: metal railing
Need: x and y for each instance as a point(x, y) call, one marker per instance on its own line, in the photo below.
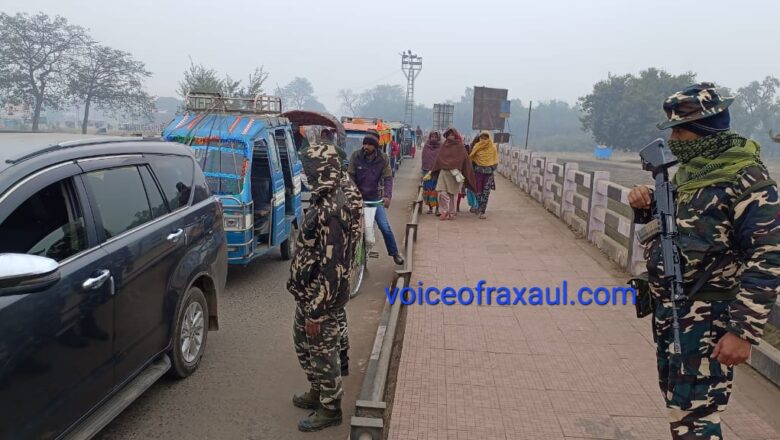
point(368, 421)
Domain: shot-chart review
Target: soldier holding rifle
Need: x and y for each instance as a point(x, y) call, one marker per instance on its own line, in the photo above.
point(727, 240)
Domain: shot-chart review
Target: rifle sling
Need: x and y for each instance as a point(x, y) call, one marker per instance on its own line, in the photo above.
point(710, 295)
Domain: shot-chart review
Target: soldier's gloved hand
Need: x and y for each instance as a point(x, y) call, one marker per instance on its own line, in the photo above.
point(640, 197)
point(731, 350)
point(312, 328)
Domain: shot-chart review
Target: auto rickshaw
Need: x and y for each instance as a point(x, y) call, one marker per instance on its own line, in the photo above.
point(248, 156)
point(358, 128)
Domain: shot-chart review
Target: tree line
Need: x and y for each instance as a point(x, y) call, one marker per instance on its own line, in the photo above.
point(49, 63)
point(622, 110)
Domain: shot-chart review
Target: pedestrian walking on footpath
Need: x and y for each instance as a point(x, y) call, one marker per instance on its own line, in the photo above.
point(319, 282)
point(729, 240)
point(430, 151)
point(464, 192)
point(452, 169)
point(471, 198)
point(370, 169)
point(484, 155)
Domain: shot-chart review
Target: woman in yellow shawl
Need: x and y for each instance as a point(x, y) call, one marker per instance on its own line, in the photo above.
point(484, 156)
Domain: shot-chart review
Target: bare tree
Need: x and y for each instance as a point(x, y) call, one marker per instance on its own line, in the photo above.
point(36, 53)
point(298, 93)
point(350, 101)
point(111, 80)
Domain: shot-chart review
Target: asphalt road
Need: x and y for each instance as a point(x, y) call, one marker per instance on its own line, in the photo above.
point(249, 373)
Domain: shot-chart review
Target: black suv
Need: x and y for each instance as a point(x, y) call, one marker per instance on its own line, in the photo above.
point(112, 258)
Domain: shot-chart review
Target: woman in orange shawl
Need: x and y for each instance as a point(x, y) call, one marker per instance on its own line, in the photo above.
point(452, 169)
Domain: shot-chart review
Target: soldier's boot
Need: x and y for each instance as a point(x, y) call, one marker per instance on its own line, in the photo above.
point(321, 418)
point(308, 400)
point(344, 363)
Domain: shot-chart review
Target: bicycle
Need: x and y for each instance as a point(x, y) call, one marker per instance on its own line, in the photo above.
point(363, 250)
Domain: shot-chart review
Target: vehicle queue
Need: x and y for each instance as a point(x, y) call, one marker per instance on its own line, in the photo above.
point(91, 229)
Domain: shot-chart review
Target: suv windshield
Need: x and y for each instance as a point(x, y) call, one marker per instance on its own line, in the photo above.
point(224, 164)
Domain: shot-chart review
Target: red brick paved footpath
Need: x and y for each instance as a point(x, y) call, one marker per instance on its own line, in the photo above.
point(527, 372)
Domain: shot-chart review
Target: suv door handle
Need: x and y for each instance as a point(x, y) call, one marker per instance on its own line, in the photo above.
point(96, 282)
point(175, 236)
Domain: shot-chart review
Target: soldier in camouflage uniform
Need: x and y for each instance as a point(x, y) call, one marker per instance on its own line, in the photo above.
point(328, 136)
point(729, 239)
point(355, 208)
point(319, 281)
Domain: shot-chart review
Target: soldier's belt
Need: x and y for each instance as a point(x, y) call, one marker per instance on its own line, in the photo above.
point(648, 232)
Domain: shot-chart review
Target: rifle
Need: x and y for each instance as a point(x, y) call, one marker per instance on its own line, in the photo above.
point(658, 158)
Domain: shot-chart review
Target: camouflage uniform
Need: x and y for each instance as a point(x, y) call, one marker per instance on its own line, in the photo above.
point(354, 205)
point(319, 273)
point(731, 229)
point(342, 154)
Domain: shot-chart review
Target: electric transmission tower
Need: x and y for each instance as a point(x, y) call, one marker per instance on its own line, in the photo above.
point(411, 65)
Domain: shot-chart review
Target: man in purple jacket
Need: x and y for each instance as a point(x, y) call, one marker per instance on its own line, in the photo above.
point(370, 170)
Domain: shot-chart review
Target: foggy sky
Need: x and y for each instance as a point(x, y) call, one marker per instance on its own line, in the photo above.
point(540, 50)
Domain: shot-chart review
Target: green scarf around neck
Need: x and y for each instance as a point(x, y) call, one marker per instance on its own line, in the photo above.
point(718, 158)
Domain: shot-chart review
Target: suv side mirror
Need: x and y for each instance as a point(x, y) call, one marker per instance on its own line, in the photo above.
point(24, 273)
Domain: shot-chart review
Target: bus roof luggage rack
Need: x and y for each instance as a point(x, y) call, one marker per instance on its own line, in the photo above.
point(257, 105)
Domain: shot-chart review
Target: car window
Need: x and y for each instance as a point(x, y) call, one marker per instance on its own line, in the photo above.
point(273, 153)
point(120, 199)
point(200, 187)
point(224, 163)
point(49, 224)
point(175, 174)
point(291, 148)
point(153, 193)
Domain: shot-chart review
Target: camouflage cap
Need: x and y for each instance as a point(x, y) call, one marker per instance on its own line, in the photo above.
point(322, 166)
point(695, 102)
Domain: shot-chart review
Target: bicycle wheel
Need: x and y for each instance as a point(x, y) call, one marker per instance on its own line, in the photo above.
point(358, 271)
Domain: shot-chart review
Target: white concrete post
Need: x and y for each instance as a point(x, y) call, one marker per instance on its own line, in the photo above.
point(569, 188)
point(598, 202)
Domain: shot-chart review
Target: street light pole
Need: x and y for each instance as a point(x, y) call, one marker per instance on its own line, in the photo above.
point(528, 127)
